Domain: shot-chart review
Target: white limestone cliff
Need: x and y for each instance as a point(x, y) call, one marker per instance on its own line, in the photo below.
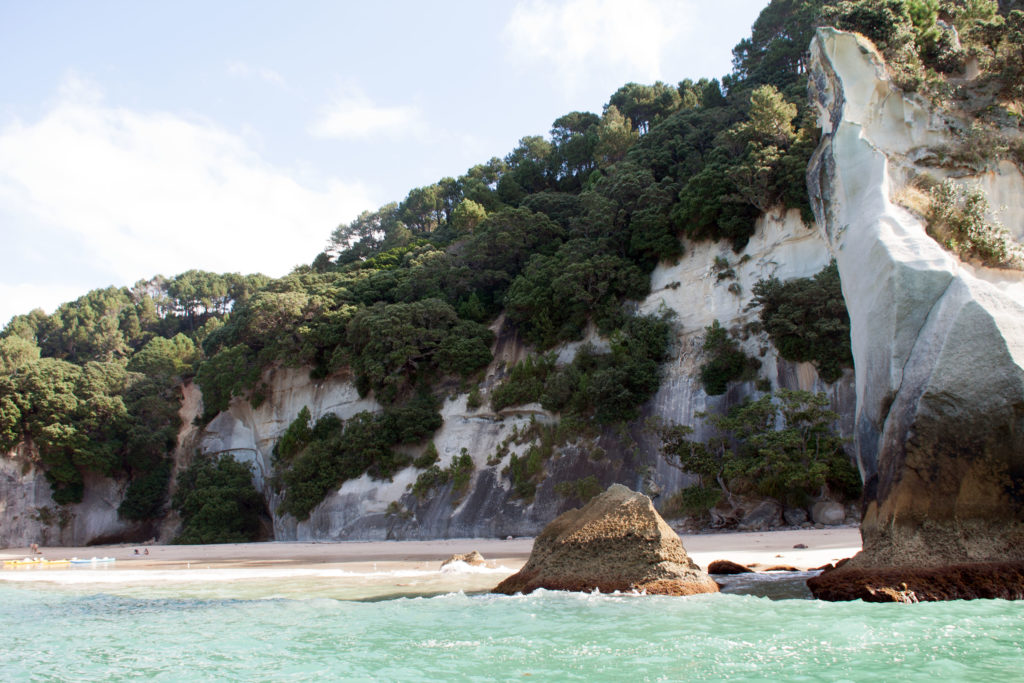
point(938, 344)
point(28, 513)
point(782, 246)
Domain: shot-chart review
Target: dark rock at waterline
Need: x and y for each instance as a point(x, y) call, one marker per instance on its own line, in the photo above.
point(616, 542)
point(728, 567)
point(781, 568)
point(1002, 580)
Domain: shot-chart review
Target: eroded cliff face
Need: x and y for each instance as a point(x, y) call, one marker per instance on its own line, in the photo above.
point(28, 513)
point(938, 344)
point(366, 508)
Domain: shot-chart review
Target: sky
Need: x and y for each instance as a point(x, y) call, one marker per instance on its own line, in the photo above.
point(143, 138)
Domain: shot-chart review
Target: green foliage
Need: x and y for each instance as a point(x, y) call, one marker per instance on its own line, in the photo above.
point(918, 47)
point(76, 416)
point(725, 363)
point(462, 471)
point(15, 353)
point(606, 387)
point(146, 495)
point(459, 472)
point(466, 216)
point(95, 418)
point(581, 489)
point(776, 52)
point(112, 323)
point(525, 382)
point(692, 501)
point(297, 437)
point(337, 451)
point(615, 135)
point(429, 457)
point(556, 295)
point(807, 321)
point(474, 400)
point(217, 502)
point(430, 479)
point(231, 372)
point(574, 139)
point(164, 357)
point(525, 472)
point(645, 105)
point(782, 446)
point(749, 168)
point(958, 220)
point(561, 233)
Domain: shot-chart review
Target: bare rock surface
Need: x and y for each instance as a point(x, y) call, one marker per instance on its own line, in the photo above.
point(828, 512)
point(472, 558)
point(938, 343)
point(728, 567)
point(983, 580)
point(616, 542)
point(765, 515)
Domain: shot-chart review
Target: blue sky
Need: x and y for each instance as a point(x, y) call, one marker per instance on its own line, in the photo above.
point(140, 138)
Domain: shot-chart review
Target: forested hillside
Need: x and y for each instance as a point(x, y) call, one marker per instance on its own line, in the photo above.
point(557, 239)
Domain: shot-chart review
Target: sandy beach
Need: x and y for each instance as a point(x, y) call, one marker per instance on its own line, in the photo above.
point(756, 549)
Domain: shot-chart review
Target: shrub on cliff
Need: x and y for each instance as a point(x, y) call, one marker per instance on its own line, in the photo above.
point(146, 495)
point(725, 362)
point(606, 387)
point(783, 446)
point(958, 220)
point(459, 472)
point(311, 463)
point(217, 502)
point(807, 321)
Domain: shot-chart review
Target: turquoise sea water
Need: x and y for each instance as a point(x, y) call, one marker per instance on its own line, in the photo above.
point(93, 632)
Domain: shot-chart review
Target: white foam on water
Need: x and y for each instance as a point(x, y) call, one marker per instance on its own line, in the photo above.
point(199, 574)
point(460, 567)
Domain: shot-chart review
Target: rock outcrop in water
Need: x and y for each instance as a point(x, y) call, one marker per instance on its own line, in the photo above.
point(938, 344)
point(616, 542)
point(473, 559)
point(981, 580)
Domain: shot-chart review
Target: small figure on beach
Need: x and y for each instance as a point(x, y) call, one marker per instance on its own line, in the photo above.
point(145, 551)
point(136, 551)
point(35, 548)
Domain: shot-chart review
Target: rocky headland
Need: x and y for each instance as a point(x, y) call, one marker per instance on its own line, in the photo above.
point(938, 344)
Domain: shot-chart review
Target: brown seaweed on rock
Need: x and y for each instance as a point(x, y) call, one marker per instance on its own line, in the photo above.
point(989, 580)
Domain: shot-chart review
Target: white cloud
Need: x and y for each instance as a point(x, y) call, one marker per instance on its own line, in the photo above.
point(577, 37)
point(354, 116)
point(22, 298)
point(244, 70)
point(148, 193)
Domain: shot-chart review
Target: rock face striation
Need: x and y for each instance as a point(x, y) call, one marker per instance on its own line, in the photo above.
point(616, 542)
point(938, 344)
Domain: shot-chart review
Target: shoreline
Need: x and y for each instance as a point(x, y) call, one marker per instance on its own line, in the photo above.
point(757, 549)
